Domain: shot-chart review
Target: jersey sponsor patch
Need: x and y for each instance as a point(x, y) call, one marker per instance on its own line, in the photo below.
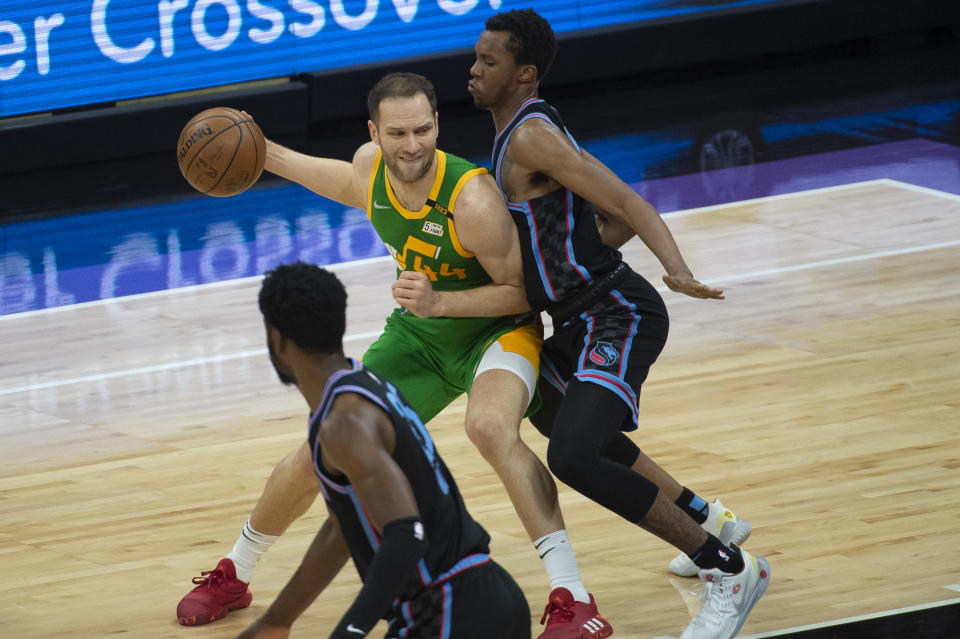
point(433, 228)
point(604, 354)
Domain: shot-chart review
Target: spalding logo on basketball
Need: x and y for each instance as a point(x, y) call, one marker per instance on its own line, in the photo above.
point(221, 152)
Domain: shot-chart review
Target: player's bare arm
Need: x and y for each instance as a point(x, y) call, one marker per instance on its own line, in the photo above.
point(324, 559)
point(613, 231)
point(337, 180)
point(520, 184)
point(362, 165)
point(357, 440)
point(538, 147)
point(484, 228)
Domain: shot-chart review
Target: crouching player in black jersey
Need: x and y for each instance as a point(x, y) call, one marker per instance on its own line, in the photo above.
point(394, 507)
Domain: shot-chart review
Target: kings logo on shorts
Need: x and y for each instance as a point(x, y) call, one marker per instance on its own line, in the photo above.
point(604, 354)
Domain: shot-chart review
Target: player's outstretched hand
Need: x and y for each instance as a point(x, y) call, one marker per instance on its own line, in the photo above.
point(260, 629)
point(688, 286)
point(413, 291)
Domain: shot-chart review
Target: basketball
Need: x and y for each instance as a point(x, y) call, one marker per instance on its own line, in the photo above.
point(221, 152)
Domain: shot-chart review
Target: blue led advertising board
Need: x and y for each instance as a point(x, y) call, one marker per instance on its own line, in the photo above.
point(62, 53)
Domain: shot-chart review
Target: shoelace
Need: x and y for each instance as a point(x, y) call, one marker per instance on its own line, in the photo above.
point(215, 578)
point(558, 613)
point(716, 598)
point(706, 589)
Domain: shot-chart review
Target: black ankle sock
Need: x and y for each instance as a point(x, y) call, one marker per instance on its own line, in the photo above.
point(692, 505)
point(716, 555)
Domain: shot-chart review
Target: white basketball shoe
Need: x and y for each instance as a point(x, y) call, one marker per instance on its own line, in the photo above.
point(722, 524)
point(728, 599)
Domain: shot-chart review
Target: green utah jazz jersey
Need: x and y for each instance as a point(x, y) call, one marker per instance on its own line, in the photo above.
point(448, 349)
point(426, 240)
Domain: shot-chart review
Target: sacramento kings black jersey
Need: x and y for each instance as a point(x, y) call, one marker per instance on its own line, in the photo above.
point(562, 250)
point(456, 541)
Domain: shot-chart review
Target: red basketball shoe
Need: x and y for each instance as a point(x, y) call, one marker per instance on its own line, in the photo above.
point(219, 591)
point(571, 619)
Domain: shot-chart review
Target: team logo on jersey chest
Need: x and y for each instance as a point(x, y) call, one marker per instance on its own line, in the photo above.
point(604, 354)
point(433, 228)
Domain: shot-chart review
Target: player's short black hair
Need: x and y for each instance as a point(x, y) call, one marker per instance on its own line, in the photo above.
point(399, 85)
point(531, 38)
point(307, 304)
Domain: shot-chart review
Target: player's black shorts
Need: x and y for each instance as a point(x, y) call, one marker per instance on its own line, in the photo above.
point(612, 343)
point(479, 603)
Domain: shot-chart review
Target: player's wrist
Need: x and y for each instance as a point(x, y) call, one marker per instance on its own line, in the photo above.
point(440, 306)
point(680, 272)
point(276, 157)
point(277, 617)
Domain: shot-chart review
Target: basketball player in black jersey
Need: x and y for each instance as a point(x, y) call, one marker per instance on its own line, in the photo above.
point(610, 324)
point(394, 507)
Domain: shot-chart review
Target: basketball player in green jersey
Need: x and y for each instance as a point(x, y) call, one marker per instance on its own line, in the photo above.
point(443, 218)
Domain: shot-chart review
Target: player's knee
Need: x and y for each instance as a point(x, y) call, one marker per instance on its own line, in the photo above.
point(492, 437)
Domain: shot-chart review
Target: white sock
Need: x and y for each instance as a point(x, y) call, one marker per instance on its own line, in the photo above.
point(557, 555)
point(246, 552)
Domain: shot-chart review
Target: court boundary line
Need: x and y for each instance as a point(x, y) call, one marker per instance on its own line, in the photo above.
point(181, 289)
point(855, 619)
point(198, 361)
point(383, 258)
point(832, 262)
point(848, 620)
point(824, 189)
point(926, 190)
point(775, 198)
point(213, 359)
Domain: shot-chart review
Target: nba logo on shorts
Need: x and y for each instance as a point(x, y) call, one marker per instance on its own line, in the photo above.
point(604, 354)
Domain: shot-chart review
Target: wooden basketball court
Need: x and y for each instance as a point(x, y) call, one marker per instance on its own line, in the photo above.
point(820, 401)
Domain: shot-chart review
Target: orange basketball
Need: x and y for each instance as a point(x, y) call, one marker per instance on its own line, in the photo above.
point(221, 152)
